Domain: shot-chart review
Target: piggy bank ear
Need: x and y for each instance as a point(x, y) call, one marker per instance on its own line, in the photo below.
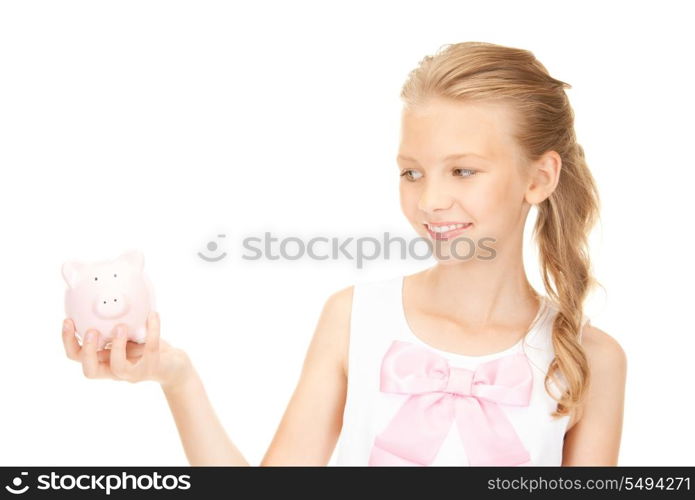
point(134, 258)
point(72, 271)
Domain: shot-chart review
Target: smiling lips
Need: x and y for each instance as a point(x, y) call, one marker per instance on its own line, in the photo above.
point(446, 230)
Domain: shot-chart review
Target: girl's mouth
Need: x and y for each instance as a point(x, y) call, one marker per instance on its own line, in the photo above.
point(446, 232)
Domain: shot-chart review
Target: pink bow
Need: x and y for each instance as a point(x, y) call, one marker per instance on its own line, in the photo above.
point(441, 393)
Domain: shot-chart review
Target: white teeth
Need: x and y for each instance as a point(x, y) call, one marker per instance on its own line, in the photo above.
point(444, 229)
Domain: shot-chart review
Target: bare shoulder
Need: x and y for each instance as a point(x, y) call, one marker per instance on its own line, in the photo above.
point(607, 365)
point(594, 437)
point(335, 318)
point(341, 300)
point(338, 306)
point(606, 359)
point(603, 352)
point(311, 424)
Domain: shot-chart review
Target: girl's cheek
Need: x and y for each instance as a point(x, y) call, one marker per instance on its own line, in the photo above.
point(408, 202)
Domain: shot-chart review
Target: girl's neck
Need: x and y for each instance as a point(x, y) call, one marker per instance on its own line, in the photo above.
point(480, 293)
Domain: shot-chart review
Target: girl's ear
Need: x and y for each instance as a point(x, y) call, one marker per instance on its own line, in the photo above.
point(545, 175)
point(72, 271)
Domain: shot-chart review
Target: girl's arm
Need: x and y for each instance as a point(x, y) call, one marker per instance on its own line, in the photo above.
point(312, 421)
point(595, 438)
point(202, 435)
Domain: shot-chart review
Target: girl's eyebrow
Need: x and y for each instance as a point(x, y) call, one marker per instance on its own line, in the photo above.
point(454, 156)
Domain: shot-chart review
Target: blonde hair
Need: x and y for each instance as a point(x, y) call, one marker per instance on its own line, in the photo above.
point(486, 72)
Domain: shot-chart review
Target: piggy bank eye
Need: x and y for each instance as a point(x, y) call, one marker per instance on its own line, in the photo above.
point(114, 275)
point(95, 278)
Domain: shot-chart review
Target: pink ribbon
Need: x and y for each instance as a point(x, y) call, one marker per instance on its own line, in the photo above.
point(440, 394)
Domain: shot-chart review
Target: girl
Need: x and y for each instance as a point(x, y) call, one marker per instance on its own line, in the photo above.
point(463, 363)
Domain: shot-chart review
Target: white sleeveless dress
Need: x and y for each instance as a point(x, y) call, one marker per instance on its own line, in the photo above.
point(378, 323)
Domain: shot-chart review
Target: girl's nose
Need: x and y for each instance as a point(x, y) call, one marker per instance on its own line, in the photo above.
point(434, 197)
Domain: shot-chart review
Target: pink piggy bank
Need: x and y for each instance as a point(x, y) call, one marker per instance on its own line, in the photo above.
point(103, 294)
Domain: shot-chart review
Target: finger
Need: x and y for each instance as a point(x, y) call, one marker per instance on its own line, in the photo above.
point(120, 366)
point(90, 362)
point(152, 338)
point(72, 347)
point(104, 356)
point(134, 350)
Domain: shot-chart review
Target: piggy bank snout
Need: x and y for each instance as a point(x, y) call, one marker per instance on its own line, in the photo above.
point(111, 305)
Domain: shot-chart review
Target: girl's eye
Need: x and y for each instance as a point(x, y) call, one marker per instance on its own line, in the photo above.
point(405, 174)
point(467, 172)
point(470, 173)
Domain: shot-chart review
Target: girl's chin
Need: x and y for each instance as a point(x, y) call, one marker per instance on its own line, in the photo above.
point(456, 250)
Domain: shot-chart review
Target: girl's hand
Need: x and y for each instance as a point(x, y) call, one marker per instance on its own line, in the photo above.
point(154, 360)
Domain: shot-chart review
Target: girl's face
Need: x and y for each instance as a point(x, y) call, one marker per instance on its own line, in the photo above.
point(485, 189)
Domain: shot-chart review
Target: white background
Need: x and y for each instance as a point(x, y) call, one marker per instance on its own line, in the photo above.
point(158, 125)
